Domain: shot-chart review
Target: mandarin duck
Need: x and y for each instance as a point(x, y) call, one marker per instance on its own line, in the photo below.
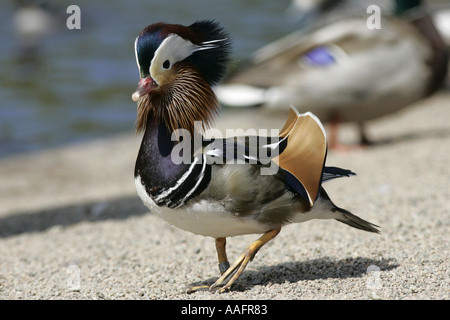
point(346, 71)
point(224, 186)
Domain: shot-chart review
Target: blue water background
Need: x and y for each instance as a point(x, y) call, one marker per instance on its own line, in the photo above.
point(78, 84)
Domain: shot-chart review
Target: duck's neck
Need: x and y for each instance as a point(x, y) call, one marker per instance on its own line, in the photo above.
point(402, 6)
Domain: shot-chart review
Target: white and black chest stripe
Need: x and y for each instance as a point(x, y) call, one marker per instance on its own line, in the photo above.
point(177, 192)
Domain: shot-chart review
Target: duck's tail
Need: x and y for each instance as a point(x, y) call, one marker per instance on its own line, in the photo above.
point(356, 222)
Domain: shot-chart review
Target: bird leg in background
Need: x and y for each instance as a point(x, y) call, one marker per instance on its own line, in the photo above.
point(365, 141)
point(333, 141)
point(241, 263)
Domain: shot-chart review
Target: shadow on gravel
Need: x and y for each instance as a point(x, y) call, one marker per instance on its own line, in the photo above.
point(22, 222)
point(316, 269)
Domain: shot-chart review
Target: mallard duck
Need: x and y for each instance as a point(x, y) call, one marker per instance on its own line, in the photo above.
point(345, 71)
point(221, 187)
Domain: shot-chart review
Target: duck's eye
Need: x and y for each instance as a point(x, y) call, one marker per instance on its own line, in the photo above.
point(166, 64)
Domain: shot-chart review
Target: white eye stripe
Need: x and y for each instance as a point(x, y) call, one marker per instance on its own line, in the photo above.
point(174, 48)
point(174, 42)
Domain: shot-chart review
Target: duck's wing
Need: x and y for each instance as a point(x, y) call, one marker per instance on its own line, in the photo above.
point(304, 156)
point(299, 150)
point(258, 150)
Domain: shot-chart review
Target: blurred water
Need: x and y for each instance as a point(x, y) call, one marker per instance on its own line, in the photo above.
point(78, 85)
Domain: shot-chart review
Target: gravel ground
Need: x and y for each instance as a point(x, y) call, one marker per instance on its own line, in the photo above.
point(72, 227)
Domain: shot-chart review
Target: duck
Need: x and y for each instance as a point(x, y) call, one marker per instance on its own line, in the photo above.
point(345, 71)
point(223, 186)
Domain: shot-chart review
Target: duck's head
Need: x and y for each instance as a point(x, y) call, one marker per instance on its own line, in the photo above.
point(177, 67)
